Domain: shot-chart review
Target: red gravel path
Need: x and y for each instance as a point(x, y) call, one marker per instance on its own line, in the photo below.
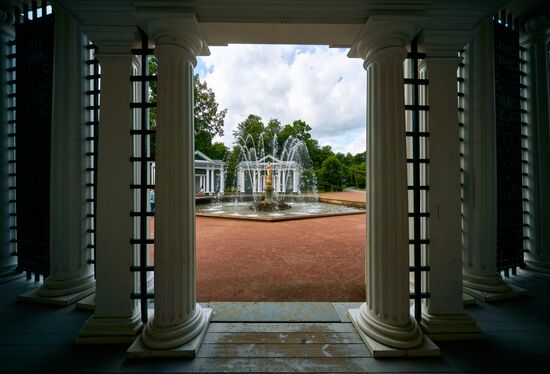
point(319, 259)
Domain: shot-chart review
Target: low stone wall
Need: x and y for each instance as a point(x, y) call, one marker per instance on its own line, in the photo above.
point(353, 204)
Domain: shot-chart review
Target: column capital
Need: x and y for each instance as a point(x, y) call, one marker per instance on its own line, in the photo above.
point(442, 46)
point(174, 28)
point(536, 29)
point(381, 33)
point(112, 40)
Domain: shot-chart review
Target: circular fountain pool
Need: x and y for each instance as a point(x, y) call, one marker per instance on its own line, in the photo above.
point(298, 210)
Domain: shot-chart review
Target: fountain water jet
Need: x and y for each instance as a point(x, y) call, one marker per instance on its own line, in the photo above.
point(272, 184)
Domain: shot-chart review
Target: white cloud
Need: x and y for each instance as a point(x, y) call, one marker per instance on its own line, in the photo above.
point(316, 84)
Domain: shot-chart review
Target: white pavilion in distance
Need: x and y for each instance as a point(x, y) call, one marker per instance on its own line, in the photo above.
point(251, 175)
point(209, 174)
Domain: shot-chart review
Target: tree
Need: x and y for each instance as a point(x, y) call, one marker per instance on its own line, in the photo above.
point(218, 151)
point(252, 126)
point(331, 174)
point(357, 175)
point(232, 161)
point(208, 118)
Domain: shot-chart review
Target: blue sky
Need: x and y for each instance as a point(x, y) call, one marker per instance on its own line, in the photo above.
point(317, 84)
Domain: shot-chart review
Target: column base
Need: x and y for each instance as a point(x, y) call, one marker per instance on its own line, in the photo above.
point(379, 350)
point(60, 292)
point(489, 288)
point(87, 303)
point(188, 350)
point(487, 296)
point(450, 327)
point(468, 299)
point(538, 266)
point(110, 330)
point(9, 273)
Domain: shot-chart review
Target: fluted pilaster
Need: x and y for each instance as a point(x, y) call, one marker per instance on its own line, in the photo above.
point(537, 42)
point(7, 261)
point(116, 318)
point(71, 277)
point(479, 196)
point(443, 316)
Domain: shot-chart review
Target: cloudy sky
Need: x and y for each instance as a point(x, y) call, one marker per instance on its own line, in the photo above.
point(317, 84)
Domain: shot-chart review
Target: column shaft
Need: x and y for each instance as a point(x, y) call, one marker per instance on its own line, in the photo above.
point(385, 317)
point(178, 318)
point(254, 183)
point(213, 180)
point(222, 181)
point(207, 187)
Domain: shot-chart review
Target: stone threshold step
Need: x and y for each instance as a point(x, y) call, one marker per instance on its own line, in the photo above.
point(279, 311)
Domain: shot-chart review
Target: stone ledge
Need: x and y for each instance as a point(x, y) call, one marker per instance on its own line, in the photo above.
point(468, 299)
point(9, 276)
point(450, 327)
point(87, 303)
point(488, 297)
point(187, 350)
point(532, 272)
point(426, 349)
point(110, 330)
point(64, 300)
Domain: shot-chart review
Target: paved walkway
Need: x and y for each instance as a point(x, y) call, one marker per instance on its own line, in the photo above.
point(318, 259)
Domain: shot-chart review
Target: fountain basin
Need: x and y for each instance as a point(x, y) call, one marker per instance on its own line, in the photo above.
point(298, 210)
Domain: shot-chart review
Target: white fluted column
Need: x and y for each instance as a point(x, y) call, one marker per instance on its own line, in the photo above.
point(537, 42)
point(443, 316)
point(179, 323)
point(242, 180)
point(384, 321)
point(207, 187)
point(296, 176)
point(213, 180)
point(116, 318)
point(71, 277)
point(7, 261)
point(222, 181)
point(479, 224)
point(254, 182)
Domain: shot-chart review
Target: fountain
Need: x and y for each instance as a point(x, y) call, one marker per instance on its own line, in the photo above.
point(268, 204)
point(272, 185)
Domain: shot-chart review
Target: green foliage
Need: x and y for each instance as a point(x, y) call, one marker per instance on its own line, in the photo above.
point(331, 174)
point(357, 175)
point(232, 161)
point(251, 127)
point(208, 118)
point(218, 151)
